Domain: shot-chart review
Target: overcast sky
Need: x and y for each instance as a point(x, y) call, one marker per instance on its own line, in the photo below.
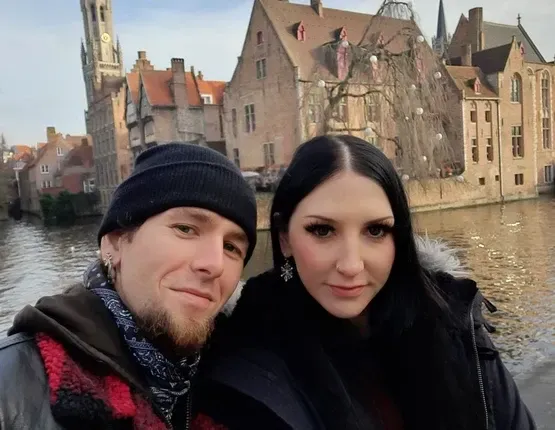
point(41, 83)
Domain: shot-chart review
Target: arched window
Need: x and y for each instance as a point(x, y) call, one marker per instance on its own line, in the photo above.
point(488, 112)
point(93, 12)
point(473, 112)
point(102, 16)
point(546, 109)
point(259, 38)
point(516, 89)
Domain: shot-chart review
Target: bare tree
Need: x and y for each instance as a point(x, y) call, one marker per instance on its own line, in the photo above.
point(389, 88)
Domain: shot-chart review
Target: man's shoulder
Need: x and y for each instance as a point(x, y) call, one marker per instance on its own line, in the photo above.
point(19, 356)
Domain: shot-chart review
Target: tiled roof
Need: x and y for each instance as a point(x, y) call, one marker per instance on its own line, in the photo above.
point(492, 60)
point(157, 85)
point(79, 156)
point(214, 88)
point(465, 76)
point(319, 31)
point(133, 85)
point(500, 34)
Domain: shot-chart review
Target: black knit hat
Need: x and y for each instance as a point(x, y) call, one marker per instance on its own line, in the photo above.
point(182, 175)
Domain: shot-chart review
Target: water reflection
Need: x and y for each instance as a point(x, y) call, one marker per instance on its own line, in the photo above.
point(508, 248)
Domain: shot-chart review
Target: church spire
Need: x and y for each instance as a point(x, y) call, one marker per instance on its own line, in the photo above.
point(442, 38)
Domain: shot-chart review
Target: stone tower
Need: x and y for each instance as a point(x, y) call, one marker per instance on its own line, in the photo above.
point(99, 56)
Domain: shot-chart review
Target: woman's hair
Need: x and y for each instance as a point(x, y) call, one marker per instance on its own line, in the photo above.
point(415, 349)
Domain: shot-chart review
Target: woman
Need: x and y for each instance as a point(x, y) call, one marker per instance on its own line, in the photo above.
point(358, 325)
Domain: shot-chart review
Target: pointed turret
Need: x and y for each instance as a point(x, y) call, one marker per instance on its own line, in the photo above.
point(83, 53)
point(442, 39)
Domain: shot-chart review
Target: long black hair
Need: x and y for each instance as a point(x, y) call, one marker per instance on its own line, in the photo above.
point(410, 319)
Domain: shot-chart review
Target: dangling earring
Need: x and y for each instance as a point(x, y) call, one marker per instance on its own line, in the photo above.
point(109, 267)
point(287, 271)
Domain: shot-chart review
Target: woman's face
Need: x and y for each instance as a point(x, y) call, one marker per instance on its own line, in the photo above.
point(341, 239)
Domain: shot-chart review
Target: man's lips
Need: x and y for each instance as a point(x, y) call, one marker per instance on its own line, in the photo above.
point(194, 292)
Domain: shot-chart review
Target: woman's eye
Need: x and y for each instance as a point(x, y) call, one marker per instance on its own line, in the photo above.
point(320, 230)
point(376, 231)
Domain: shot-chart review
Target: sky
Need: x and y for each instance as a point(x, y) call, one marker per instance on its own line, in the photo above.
point(41, 83)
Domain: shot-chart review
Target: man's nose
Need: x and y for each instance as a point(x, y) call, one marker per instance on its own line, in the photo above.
point(209, 257)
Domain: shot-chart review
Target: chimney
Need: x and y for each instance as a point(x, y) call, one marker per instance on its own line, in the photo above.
point(476, 20)
point(178, 85)
point(200, 75)
point(50, 134)
point(466, 55)
point(318, 7)
point(141, 55)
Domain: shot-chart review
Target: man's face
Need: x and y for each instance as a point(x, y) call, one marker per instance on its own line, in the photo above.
point(176, 272)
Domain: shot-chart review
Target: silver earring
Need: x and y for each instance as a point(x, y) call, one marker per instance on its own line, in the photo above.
point(287, 271)
point(109, 267)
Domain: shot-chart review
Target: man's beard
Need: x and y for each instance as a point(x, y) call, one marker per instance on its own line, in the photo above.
point(173, 338)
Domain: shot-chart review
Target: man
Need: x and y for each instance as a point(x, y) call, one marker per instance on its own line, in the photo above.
point(120, 349)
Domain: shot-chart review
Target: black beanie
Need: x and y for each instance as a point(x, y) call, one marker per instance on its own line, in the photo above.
point(182, 175)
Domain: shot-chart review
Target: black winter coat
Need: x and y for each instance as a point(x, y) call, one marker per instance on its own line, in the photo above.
point(260, 374)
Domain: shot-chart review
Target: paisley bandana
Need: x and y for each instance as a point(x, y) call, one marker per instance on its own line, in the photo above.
point(168, 381)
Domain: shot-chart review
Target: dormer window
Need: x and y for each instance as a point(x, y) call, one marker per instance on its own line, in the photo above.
point(207, 99)
point(301, 33)
point(477, 86)
point(259, 38)
point(343, 34)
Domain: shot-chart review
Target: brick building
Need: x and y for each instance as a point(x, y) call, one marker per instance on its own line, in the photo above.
point(40, 175)
point(519, 127)
point(173, 105)
point(292, 57)
point(105, 84)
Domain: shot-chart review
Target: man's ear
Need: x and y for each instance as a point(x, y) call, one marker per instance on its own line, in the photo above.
point(110, 244)
point(284, 244)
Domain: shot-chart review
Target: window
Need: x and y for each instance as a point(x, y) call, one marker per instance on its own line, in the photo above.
point(473, 113)
point(250, 118)
point(59, 151)
point(475, 152)
point(496, 178)
point(269, 158)
point(516, 89)
point(261, 69)
point(301, 33)
point(313, 109)
point(372, 109)
point(46, 184)
point(487, 113)
point(44, 168)
point(518, 144)
point(519, 179)
point(489, 149)
point(548, 174)
point(88, 185)
point(259, 38)
point(234, 122)
point(340, 110)
point(93, 12)
point(102, 17)
point(545, 90)
point(236, 158)
point(482, 181)
point(206, 99)
point(546, 133)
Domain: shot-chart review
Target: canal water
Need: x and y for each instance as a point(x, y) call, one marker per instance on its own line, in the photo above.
point(510, 250)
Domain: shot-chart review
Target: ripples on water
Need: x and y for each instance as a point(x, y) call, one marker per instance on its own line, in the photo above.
point(509, 249)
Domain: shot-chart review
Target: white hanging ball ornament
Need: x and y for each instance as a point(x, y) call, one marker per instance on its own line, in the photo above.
point(424, 158)
point(368, 131)
point(420, 39)
point(345, 44)
point(321, 83)
point(413, 87)
point(407, 118)
point(439, 136)
point(373, 59)
point(405, 177)
point(419, 111)
point(437, 75)
point(460, 178)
